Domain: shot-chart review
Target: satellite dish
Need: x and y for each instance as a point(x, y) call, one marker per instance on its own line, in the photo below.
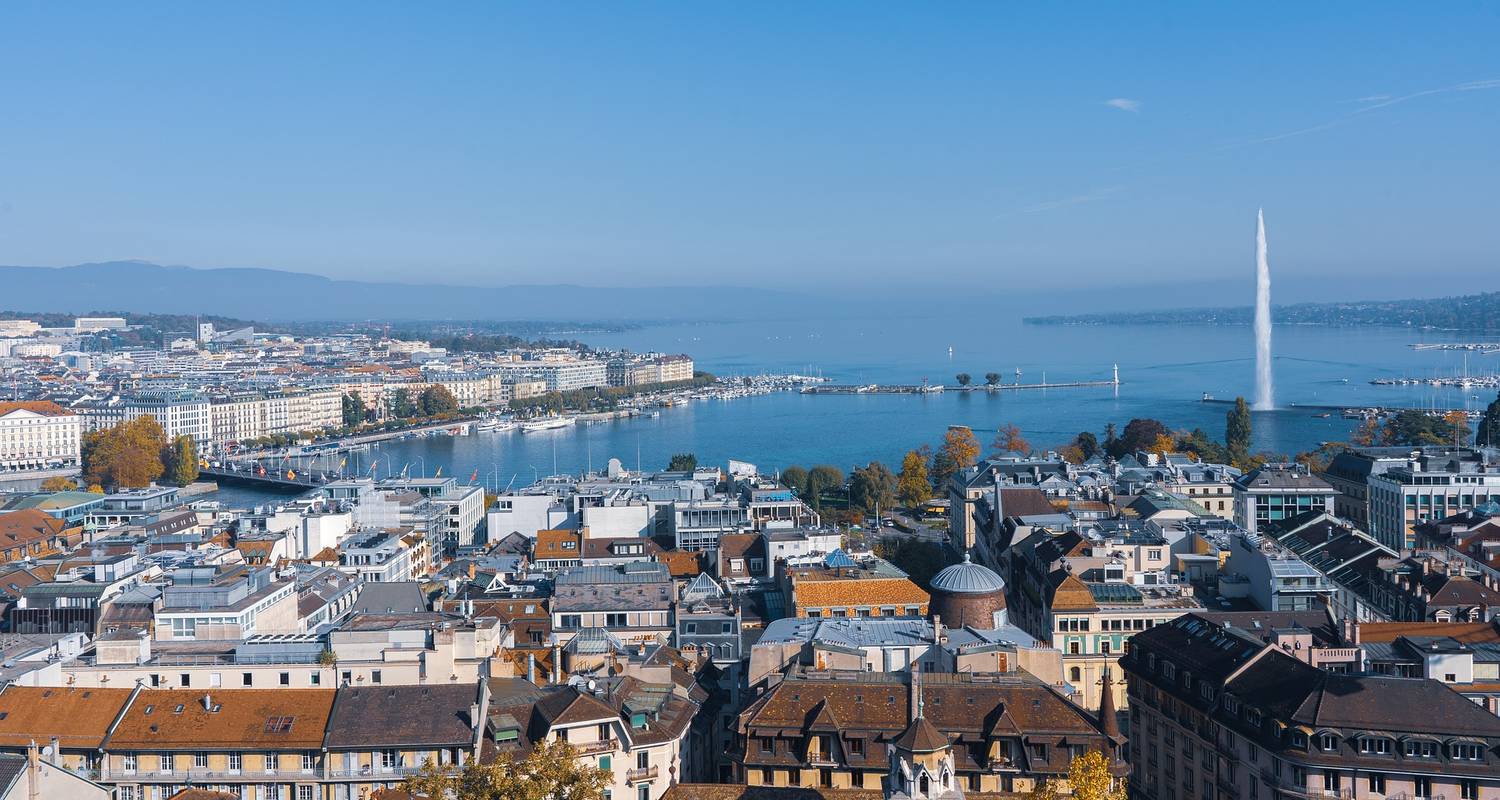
point(47, 751)
point(591, 685)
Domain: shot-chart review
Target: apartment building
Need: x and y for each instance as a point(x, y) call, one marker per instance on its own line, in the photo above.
point(1216, 713)
point(1425, 488)
point(178, 413)
point(1276, 491)
point(38, 435)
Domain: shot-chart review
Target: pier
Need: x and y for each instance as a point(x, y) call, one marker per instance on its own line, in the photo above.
point(269, 478)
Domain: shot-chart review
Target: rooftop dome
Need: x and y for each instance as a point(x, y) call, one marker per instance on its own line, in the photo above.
point(967, 578)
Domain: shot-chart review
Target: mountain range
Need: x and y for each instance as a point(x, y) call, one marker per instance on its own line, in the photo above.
point(275, 295)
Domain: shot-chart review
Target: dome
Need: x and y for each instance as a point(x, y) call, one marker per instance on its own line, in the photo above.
point(967, 578)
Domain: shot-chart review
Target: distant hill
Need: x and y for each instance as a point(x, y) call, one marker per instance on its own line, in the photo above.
point(1474, 312)
point(274, 295)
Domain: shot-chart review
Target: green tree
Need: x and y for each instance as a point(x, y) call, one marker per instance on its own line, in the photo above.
point(401, 404)
point(1139, 435)
point(182, 461)
point(1111, 440)
point(872, 486)
point(551, 771)
point(822, 479)
point(1237, 432)
point(435, 400)
point(1488, 434)
point(991, 379)
point(127, 455)
point(1413, 428)
point(795, 478)
point(354, 410)
point(683, 462)
point(913, 488)
point(963, 378)
point(1088, 444)
point(918, 558)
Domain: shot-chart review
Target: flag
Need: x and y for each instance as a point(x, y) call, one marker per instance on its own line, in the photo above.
point(373, 464)
point(474, 477)
point(439, 473)
point(342, 462)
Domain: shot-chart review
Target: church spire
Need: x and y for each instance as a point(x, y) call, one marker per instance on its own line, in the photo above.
point(1109, 723)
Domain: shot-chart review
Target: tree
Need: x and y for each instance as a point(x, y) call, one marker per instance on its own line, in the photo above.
point(913, 488)
point(1368, 430)
point(795, 478)
point(58, 483)
point(918, 558)
point(182, 461)
point(401, 405)
point(1488, 434)
point(963, 378)
point(1206, 449)
point(127, 455)
point(1111, 441)
point(1139, 435)
point(354, 410)
point(683, 462)
point(991, 379)
point(436, 399)
point(1417, 428)
point(872, 486)
point(1237, 432)
point(960, 450)
point(1088, 444)
point(1089, 778)
point(823, 478)
point(551, 770)
point(1008, 439)
point(1318, 460)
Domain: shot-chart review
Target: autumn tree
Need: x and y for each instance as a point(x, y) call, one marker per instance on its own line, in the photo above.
point(1140, 434)
point(795, 478)
point(58, 483)
point(1008, 439)
point(1164, 444)
point(1089, 778)
point(963, 378)
point(913, 488)
point(991, 379)
point(436, 399)
point(1367, 432)
point(872, 487)
point(551, 770)
point(1237, 432)
point(127, 455)
point(182, 461)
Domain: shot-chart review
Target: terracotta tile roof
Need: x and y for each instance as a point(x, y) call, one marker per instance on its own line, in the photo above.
point(552, 545)
point(681, 563)
point(1073, 595)
point(46, 408)
point(1464, 632)
point(856, 592)
point(79, 718)
point(26, 526)
point(245, 719)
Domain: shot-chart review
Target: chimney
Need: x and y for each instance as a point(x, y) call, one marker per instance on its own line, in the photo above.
point(33, 780)
point(914, 709)
point(556, 662)
point(531, 667)
point(208, 702)
point(937, 629)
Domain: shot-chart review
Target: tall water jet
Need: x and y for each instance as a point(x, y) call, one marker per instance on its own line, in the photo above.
point(1264, 390)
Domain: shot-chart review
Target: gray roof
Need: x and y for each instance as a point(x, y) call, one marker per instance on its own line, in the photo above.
point(850, 631)
point(967, 578)
point(401, 597)
point(634, 572)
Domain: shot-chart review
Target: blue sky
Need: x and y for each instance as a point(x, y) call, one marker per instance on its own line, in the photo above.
point(805, 145)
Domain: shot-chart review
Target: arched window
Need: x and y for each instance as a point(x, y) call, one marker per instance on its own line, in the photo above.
point(1075, 675)
point(923, 786)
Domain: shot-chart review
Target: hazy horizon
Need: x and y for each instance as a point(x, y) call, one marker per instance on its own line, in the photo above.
point(847, 150)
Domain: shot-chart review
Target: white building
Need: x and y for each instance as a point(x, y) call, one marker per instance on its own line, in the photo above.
point(38, 435)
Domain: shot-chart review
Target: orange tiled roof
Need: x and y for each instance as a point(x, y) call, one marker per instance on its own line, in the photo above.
point(1073, 595)
point(1466, 632)
point(550, 544)
point(858, 592)
point(46, 408)
point(79, 718)
point(26, 526)
point(261, 719)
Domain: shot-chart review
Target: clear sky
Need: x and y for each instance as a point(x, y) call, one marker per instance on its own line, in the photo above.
point(804, 145)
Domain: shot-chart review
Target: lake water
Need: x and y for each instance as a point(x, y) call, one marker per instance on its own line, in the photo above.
point(1164, 372)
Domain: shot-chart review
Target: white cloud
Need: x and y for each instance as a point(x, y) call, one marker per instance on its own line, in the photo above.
point(1077, 199)
point(1124, 104)
point(1372, 103)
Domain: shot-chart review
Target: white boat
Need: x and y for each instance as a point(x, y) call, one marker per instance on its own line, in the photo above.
point(548, 424)
point(496, 426)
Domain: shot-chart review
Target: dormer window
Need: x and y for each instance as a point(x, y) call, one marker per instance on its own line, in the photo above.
point(1373, 746)
point(1231, 705)
point(1463, 751)
point(1328, 742)
point(1299, 739)
point(1252, 715)
point(1168, 670)
point(1420, 749)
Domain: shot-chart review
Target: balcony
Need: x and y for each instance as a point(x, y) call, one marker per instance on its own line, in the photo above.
point(636, 775)
point(596, 748)
point(202, 774)
point(374, 772)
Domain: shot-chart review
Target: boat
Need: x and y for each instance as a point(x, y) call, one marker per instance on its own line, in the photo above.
point(1324, 415)
point(496, 426)
point(547, 424)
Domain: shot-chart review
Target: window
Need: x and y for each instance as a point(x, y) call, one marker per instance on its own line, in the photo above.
point(200, 760)
point(215, 680)
point(606, 763)
point(1419, 749)
point(767, 744)
point(185, 680)
point(374, 676)
point(1468, 789)
point(572, 620)
point(643, 759)
point(285, 679)
point(269, 762)
point(247, 679)
point(643, 792)
point(1422, 787)
point(1464, 752)
point(316, 678)
point(389, 759)
point(309, 761)
point(1328, 742)
point(856, 747)
point(304, 793)
point(236, 762)
point(165, 760)
point(127, 762)
point(1377, 783)
point(1375, 747)
point(616, 620)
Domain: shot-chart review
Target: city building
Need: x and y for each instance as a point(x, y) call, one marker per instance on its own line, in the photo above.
point(1274, 492)
point(39, 434)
